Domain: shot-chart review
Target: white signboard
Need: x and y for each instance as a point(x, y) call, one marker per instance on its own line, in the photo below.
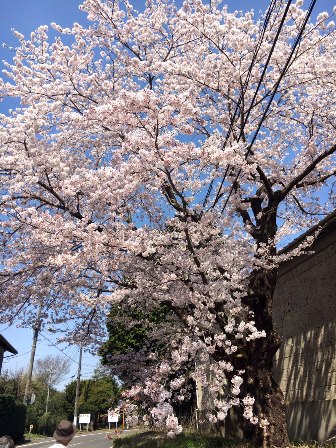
point(112, 417)
point(84, 418)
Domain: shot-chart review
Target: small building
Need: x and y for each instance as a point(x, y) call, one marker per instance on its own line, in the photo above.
point(304, 312)
point(5, 346)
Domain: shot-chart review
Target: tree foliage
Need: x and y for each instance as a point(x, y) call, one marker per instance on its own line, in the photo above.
point(13, 383)
point(134, 334)
point(96, 396)
point(12, 417)
point(45, 422)
point(159, 159)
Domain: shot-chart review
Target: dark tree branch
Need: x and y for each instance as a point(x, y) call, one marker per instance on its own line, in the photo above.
point(300, 177)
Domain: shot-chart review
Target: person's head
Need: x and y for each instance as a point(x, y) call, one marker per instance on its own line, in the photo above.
point(64, 432)
point(6, 442)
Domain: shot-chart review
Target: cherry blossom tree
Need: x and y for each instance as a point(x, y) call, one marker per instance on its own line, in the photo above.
point(160, 158)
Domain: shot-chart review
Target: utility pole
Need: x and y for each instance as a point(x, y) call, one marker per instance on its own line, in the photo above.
point(78, 384)
point(36, 328)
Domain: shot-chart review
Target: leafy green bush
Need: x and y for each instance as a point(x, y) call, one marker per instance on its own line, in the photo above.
point(47, 424)
point(12, 417)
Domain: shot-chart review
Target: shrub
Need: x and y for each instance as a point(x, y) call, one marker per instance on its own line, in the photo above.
point(12, 417)
point(47, 424)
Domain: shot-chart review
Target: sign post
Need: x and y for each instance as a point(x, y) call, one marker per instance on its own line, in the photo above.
point(84, 418)
point(112, 417)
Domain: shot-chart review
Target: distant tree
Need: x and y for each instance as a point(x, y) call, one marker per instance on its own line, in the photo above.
point(96, 397)
point(100, 395)
point(44, 422)
point(51, 370)
point(13, 383)
point(134, 334)
point(69, 396)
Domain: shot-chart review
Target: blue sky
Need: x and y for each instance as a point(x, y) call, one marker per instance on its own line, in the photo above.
point(25, 16)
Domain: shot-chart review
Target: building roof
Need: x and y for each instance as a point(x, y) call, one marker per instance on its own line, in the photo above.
point(327, 224)
point(7, 346)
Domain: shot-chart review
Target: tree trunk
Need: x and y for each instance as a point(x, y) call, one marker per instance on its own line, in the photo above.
point(48, 395)
point(269, 400)
point(259, 382)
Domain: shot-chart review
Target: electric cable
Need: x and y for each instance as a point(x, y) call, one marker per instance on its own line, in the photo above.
point(218, 195)
point(275, 88)
point(243, 91)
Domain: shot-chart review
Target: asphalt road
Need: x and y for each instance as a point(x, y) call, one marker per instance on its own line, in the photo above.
point(91, 440)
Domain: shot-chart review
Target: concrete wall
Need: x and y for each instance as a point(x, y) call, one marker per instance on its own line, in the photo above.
point(305, 315)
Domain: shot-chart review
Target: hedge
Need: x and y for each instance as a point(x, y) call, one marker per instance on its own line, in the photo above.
point(12, 417)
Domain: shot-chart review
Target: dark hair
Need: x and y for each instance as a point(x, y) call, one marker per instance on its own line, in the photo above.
point(6, 442)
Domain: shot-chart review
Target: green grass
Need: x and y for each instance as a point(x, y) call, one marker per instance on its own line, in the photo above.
point(28, 436)
point(313, 445)
point(153, 439)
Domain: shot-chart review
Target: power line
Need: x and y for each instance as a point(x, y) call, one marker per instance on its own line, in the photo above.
point(241, 96)
point(59, 349)
point(282, 74)
point(218, 195)
point(11, 322)
point(274, 91)
point(65, 354)
point(16, 356)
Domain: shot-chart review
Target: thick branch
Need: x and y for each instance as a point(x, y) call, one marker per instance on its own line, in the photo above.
point(321, 179)
point(299, 178)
